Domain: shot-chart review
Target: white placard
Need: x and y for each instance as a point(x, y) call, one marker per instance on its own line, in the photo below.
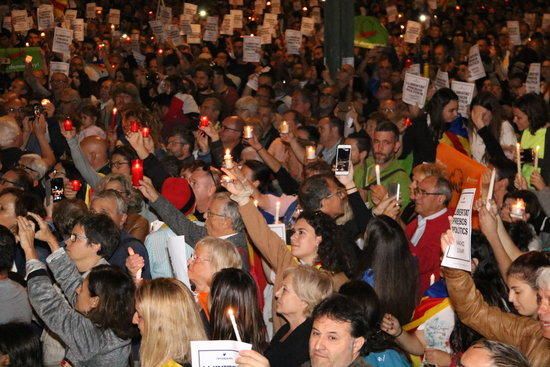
point(237, 16)
point(414, 69)
point(259, 7)
point(177, 251)
point(293, 41)
point(216, 353)
point(44, 17)
point(265, 35)
point(270, 21)
point(190, 9)
point(415, 90)
point(532, 84)
point(475, 65)
point(59, 67)
point(70, 16)
point(185, 23)
point(140, 59)
point(78, 28)
point(459, 254)
point(156, 27)
point(90, 11)
point(19, 20)
point(251, 48)
point(308, 26)
point(236, 2)
point(172, 32)
point(465, 92)
point(114, 17)
point(441, 79)
point(227, 25)
point(391, 11)
point(62, 39)
point(279, 229)
point(6, 23)
point(513, 32)
point(276, 6)
point(313, 3)
point(165, 14)
point(211, 30)
point(195, 36)
point(413, 31)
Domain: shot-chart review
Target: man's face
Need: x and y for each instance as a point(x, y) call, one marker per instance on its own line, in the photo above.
point(428, 200)
point(202, 80)
point(108, 206)
point(202, 184)
point(388, 108)
point(266, 116)
point(77, 64)
point(68, 103)
point(439, 55)
point(177, 147)
point(15, 109)
point(122, 99)
point(356, 156)
point(544, 311)
point(384, 69)
point(331, 343)
point(17, 87)
point(299, 104)
point(208, 108)
point(333, 204)
point(33, 39)
point(221, 59)
point(325, 131)
point(105, 90)
point(476, 356)
point(217, 224)
point(78, 247)
point(230, 132)
point(385, 145)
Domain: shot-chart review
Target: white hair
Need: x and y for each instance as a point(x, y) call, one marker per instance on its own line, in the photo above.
point(248, 103)
point(9, 131)
point(35, 163)
point(543, 278)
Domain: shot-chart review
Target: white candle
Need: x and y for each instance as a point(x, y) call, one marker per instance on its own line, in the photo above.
point(284, 128)
point(228, 159)
point(518, 157)
point(377, 172)
point(256, 202)
point(432, 279)
point(518, 209)
point(537, 156)
point(398, 190)
point(277, 211)
point(310, 152)
point(248, 132)
point(491, 187)
point(234, 323)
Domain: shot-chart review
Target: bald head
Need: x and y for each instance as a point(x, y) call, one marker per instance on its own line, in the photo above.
point(95, 150)
point(231, 132)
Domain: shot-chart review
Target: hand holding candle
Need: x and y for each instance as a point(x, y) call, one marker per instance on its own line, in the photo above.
point(536, 163)
point(377, 173)
point(145, 132)
point(518, 157)
point(310, 152)
point(284, 129)
point(228, 159)
point(491, 188)
point(248, 130)
point(137, 172)
point(68, 124)
point(76, 185)
point(234, 323)
point(204, 122)
point(134, 126)
point(518, 209)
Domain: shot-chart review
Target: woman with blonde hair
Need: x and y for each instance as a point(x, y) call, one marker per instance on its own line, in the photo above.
point(168, 320)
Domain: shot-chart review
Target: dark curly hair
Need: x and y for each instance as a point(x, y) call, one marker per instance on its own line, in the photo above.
point(21, 344)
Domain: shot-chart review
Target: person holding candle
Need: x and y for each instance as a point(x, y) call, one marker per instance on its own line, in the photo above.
point(89, 116)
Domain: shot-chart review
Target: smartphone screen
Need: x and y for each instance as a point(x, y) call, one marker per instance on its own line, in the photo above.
point(343, 154)
point(57, 189)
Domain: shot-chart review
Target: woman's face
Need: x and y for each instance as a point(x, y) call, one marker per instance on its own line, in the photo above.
point(520, 119)
point(85, 302)
point(138, 321)
point(87, 121)
point(288, 303)
point(523, 296)
point(450, 111)
point(200, 269)
point(304, 242)
point(120, 165)
point(7, 211)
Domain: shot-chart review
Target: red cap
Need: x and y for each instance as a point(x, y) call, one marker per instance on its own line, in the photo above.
point(178, 192)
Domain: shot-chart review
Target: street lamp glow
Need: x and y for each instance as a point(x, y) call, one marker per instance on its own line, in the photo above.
point(422, 17)
point(202, 13)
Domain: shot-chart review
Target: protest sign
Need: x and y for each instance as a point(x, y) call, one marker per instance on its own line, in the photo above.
point(265, 35)
point(441, 79)
point(78, 28)
point(279, 229)
point(90, 11)
point(172, 32)
point(275, 6)
point(415, 90)
point(458, 255)
point(316, 15)
point(211, 31)
point(185, 23)
point(412, 34)
point(545, 21)
point(190, 9)
point(307, 27)
point(227, 25)
point(251, 48)
point(369, 32)
point(237, 16)
point(195, 36)
point(414, 69)
point(270, 21)
point(216, 353)
point(44, 16)
point(475, 65)
point(62, 39)
point(465, 92)
point(178, 253)
point(19, 20)
point(157, 28)
point(70, 16)
point(165, 15)
point(59, 67)
point(14, 58)
point(532, 84)
point(293, 41)
point(513, 32)
point(531, 19)
point(114, 17)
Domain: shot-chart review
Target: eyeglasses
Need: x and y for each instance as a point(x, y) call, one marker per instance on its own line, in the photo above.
point(117, 165)
point(22, 166)
point(420, 192)
point(195, 258)
point(230, 128)
point(340, 193)
point(209, 213)
point(75, 236)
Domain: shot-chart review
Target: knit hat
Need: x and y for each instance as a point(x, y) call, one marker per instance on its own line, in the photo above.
point(178, 192)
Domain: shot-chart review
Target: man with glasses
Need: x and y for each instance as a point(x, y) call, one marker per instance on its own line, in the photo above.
point(229, 137)
point(69, 103)
point(431, 197)
point(180, 144)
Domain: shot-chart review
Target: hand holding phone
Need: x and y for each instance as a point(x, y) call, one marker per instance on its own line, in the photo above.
point(343, 156)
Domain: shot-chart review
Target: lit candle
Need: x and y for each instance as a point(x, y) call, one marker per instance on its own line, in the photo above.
point(256, 202)
point(204, 122)
point(518, 157)
point(537, 148)
point(228, 159)
point(28, 59)
point(226, 179)
point(45, 102)
point(137, 172)
point(398, 190)
point(284, 128)
point(146, 132)
point(113, 118)
point(76, 185)
point(234, 323)
point(68, 124)
point(432, 279)
point(518, 209)
point(248, 132)
point(112, 27)
point(134, 126)
point(277, 211)
point(160, 51)
point(27, 44)
point(43, 34)
point(491, 188)
point(310, 152)
point(377, 173)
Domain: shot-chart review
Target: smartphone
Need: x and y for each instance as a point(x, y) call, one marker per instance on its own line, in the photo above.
point(343, 155)
point(57, 191)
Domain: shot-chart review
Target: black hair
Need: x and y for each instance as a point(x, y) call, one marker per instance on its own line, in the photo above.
point(532, 205)
point(205, 69)
point(313, 190)
point(171, 60)
point(312, 132)
point(388, 126)
point(536, 109)
point(66, 213)
point(363, 143)
point(25, 202)
point(339, 124)
point(435, 107)
point(126, 151)
point(488, 101)
point(261, 173)
point(7, 249)
point(100, 229)
point(185, 134)
point(21, 344)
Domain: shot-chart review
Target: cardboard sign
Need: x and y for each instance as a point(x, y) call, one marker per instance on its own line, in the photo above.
point(459, 255)
point(62, 39)
point(44, 16)
point(14, 58)
point(441, 79)
point(415, 90)
point(391, 11)
point(216, 353)
point(114, 17)
point(475, 65)
point(532, 84)
point(251, 48)
point(293, 41)
point(413, 31)
point(465, 92)
point(308, 27)
point(211, 30)
point(513, 32)
point(90, 11)
point(414, 69)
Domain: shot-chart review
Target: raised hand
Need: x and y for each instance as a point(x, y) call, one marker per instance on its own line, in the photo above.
point(134, 263)
point(390, 325)
point(148, 190)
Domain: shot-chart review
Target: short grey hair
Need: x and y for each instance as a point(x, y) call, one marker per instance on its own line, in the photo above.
point(121, 205)
point(231, 211)
point(503, 355)
point(443, 186)
point(9, 131)
point(248, 103)
point(543, 278)
point(36, 163)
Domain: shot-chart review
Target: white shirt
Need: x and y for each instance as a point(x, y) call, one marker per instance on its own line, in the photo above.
point(422, 225)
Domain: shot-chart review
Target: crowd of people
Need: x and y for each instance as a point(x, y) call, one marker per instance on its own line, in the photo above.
point(164, 134)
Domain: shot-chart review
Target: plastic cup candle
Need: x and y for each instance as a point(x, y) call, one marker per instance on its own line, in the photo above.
point(76, 185)
point(377, 173)
point(234, 323)
point(518, 209)
point(491, 188)
point(134, 126)
point(310, 152)
point(518, 157)
point(137, 171)
point(228, 159)
point(45, 102)
point(204, 122)
point(248, 132)
point(43, 34)
point(536, 163)
point(284, 128)
point(277, 211)
point(68, 124)
point(113, 118)
point(256, 202)
point(145, 132)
